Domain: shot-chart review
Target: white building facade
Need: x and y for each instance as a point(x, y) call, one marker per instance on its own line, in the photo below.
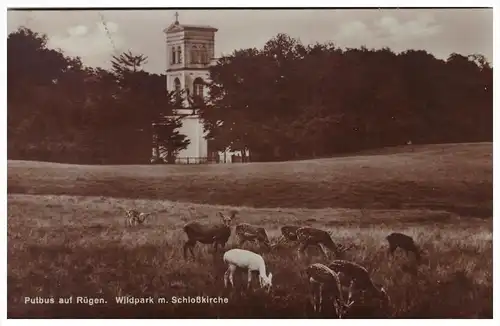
point(190, 53)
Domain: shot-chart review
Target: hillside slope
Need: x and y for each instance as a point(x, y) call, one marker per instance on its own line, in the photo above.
point(453, 177)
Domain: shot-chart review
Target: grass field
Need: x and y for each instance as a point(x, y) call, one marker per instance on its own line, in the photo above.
point(67, 236)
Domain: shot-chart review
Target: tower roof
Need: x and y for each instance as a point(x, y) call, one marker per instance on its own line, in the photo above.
point(178, 27)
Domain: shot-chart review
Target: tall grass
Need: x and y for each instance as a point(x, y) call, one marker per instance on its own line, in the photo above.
point(67, 234)
point(71, 246)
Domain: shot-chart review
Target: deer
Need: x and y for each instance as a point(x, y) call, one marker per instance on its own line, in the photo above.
point(308, 236)
point(403, 241)
point(246, 232)
point(134, 217)
point(217, 234)
point(249, 261)
point(289, 232)
point(321, 276)
point(360, 278)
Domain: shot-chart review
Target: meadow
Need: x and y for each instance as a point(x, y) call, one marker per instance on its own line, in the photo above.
point(67, 233)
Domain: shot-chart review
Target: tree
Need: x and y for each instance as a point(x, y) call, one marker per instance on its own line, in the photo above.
point(288, 100)
point(168, 140)
point(284, 101)
point(146, 103)
point(128, 62)
point(43, 97)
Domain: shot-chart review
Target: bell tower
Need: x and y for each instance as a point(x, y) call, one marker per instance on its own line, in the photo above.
point(190, 53)
point(190, 50)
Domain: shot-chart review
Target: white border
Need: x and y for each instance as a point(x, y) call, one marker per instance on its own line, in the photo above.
point(496, 193)
point(233, 3)
point(255, 3)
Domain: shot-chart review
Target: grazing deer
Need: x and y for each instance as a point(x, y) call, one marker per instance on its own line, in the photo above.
point(404, 242)
point(360, 278)
point(208, 234)
point(320, 276)
point(308, 236)
point(246, 232)
point(130, 214)
point(289, 232)
point(134, 217)
point(245, 259)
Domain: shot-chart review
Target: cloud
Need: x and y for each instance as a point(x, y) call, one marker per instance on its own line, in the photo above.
point(388, 29)
point(353, 30)
point(439, 31)
point(79, 30)
point(93, 44)
point(422, 26)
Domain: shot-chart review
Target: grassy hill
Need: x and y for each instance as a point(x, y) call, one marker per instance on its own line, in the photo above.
point(453, 177)
point(67, 234)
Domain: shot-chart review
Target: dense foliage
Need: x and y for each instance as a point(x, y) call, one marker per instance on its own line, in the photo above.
point(59, 110)
point(284, 101)
point(289, 101)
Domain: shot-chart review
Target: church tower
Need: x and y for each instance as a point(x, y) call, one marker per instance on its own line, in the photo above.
point(190, 52)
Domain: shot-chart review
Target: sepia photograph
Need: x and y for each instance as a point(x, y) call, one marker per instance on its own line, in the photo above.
point(249, 163)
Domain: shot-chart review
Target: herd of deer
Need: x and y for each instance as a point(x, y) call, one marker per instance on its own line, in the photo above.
point(321, 277)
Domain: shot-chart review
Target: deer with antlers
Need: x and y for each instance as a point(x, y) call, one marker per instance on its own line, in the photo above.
point(359, 278)
point(134, 217)
point(217, 234)
point(323, 278)
point(403, 241)
point(247, 232)
point(307, 236)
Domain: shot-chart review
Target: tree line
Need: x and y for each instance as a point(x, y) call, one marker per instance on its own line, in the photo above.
point(288, 101)
point(62, 111)
point(284, 101)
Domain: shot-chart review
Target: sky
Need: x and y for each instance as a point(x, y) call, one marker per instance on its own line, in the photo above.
point(438, 31)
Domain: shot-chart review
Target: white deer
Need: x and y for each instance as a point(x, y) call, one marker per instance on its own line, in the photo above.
point(245, 259)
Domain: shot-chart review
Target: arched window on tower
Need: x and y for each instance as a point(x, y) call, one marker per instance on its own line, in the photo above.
point(198, 87)
point(194, 54)
point(172, 59)
point(177, 87)
point(203, 55)
point(179, 55)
